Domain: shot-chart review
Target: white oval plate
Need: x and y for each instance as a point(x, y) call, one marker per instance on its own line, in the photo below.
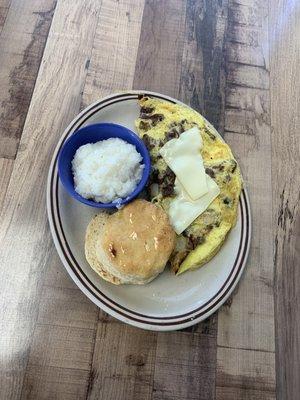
point(168, 302)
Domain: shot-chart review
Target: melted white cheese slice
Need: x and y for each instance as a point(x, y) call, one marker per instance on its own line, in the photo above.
point(183, 157)
point(184, 210)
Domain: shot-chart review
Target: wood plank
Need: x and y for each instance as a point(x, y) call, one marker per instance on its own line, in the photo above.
point(60, 363)
point(123, 362)
point(202, 84)
point(118, 36)
point(246, 323)
point(248, 76)
point(193, 352)
point(22, 43)
point(243, 35)
point(56, 275)
point(245, 108)
point(247, 13)
point(245, 54)
point(5, 3)
point(4, 7)
point(70, 347)
point(233, 393)
point(284, 32)
point(184, 367)
point(203, 74)
point(3, 15)
point(161, 47)
point(209, 328)
point(245, 374)
point(54, 383)
point(6, 167)
point(240, 121)
point(25, 237)
point(243, 98)
point(67, 307)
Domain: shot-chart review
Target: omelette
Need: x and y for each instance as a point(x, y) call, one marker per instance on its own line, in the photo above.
point(161, 121)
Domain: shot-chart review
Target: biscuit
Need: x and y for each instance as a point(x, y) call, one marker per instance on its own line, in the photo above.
point(92, 234)
point(132, 245)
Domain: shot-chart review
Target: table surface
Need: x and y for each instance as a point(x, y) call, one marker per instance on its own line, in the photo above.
point(236, 61)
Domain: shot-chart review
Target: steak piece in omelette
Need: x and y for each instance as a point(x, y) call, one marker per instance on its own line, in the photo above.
point(161, 121)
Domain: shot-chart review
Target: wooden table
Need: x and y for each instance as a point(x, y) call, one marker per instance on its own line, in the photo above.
point(237, 61)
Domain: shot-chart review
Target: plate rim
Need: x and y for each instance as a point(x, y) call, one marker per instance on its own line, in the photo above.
point(117, 311)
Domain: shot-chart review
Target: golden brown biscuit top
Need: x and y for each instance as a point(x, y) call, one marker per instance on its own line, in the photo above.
point(138, 239)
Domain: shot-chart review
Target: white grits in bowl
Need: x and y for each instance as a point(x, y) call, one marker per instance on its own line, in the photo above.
point(107, 171)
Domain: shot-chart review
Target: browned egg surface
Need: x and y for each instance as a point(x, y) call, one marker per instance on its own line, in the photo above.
point(138, 239)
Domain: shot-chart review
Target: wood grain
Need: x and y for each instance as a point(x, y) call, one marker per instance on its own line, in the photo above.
point(24, 232)
point(117, 37)
point(159, 57)
point(237, 62)
point(184, 367)
point(6, 167)
point(203, 69)
point(246, 324)
point(123, 357)
point(22, 45)
point(245, 374)
point(70, 347)
point(285, 117)
point(123, 362)
point(204, 37)
point(71, 308)
point(44, 383)
point(55, 275)
point(4, 7)
point(188, 83)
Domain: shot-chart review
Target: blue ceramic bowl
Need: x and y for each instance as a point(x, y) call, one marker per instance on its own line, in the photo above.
point(95, 133)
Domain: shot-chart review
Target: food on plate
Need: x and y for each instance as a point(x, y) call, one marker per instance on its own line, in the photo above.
point(133, 245)
point(195, 179)
point(107, 171)
point(194, 190)
point(93, 232)
point(183, 156)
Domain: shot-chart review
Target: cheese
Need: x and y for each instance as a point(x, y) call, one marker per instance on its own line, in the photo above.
point(183, 210)
point(183, 157)
point(194, 189)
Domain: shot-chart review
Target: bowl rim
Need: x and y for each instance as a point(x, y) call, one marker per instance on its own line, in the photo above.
point(126, 132)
